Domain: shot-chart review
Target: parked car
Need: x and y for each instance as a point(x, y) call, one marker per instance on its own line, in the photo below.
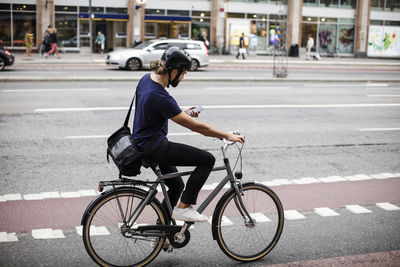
point(141, 55)
point(6, 58)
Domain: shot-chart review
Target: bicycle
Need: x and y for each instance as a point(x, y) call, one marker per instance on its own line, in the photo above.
point(127, 225)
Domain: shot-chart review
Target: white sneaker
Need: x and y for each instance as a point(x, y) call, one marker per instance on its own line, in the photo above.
point(188, 215)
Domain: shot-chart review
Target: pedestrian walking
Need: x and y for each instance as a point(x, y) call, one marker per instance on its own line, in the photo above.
point(52, 40)
point(100, 42)
point(242, 49)
point(309, 46)
point(28, 42)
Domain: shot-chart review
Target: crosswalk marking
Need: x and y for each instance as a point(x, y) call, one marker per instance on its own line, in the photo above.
point(47, 233)
point(293, 215)
point(8, 237)
point(326, 212)
point(94, 230)
point(357, 209)
point(387, 206)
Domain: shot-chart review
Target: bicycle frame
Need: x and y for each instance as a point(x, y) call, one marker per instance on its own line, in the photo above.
point(229, 177)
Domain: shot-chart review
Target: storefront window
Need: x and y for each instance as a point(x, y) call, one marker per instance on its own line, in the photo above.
point(22, 22)
point(66, 25)
point(377, 4)
point(201, 14)
point(376, 22)
point(116, 10)
point(5, 28)
point(5, 6)
point(84, 33)
point(346, 39)
point(150, 30)
point(392, 23)
point(154, 11)
point(258, 35)
point(24, 7)
point(310, 2)
point(236, 15)
point(329, 3)
point(348, 4)
point(199, 26)
point(171, 12)
point(66, 8)
point(392, 5)
point(327, 38)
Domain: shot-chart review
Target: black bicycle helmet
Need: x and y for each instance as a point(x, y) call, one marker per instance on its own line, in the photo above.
point(176, 58)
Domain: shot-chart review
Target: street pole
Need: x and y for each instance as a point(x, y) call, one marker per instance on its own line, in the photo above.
point(90, 30)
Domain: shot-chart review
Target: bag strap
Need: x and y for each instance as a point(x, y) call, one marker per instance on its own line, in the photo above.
point(129, 111)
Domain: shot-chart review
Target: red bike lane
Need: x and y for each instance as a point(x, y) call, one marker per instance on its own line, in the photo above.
point(65, 213)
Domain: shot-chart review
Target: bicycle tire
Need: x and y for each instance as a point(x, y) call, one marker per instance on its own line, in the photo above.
point(106, 244)
point(243, 242)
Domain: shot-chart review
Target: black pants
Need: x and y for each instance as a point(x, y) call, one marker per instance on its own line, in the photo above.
point(170, 154)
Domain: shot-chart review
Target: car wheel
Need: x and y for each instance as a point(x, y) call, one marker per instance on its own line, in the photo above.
point(133, 64)
point(195, 65)
point(2, 64)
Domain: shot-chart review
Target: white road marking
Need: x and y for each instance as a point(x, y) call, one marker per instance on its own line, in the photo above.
point(94, 230)
point(47, 233)
point(51, 195)
point(12, 197)
point(357, 209)
point(53, 90)
point(378, 129)
point(307, 180)
point(275, 182)
point(361, 105)
point(33, 197)
point(293, 215)
point(8, 237)
point(326, 212)
point(332, 179)
point(259, 217)
point(383, 95)
point(387, 206)
point(376, 84)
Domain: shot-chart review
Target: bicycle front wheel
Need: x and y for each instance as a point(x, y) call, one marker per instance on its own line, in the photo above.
point(110, 241)
point(249, 239)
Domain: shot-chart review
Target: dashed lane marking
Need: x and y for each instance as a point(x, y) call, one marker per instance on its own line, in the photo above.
point(378, 129)
point(357, 209)
point(387, 206)
point(8, 237)
point(326, 212)
point(272, 183)
point(49, 233)
point(293, 215)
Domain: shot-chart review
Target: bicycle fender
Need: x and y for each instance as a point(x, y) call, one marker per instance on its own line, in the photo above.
point(105, 194)
point(219, 206)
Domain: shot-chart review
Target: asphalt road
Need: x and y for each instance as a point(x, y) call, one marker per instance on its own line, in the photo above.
point(52, 139)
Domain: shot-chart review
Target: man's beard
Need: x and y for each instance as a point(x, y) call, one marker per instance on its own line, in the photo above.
point(175, 82)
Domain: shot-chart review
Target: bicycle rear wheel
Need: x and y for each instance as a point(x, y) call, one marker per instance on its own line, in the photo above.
point(240, 238)
point(106, 236)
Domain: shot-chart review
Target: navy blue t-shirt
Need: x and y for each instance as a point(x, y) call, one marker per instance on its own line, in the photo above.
point(154, 107)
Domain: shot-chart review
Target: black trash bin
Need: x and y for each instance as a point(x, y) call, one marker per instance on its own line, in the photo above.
point(294, 50)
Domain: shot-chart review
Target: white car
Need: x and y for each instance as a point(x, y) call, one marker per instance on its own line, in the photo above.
point(141, 55)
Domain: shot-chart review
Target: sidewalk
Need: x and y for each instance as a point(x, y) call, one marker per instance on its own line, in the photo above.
point(85, 58)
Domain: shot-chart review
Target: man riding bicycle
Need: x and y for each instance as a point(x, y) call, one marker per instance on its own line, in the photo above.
point(154, 107)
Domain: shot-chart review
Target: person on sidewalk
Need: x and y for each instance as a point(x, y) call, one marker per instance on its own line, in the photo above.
point(28, 42)
point(52, 39)
point(242, 49)
point(154, 108)
point(309, 46)
point(100, 42)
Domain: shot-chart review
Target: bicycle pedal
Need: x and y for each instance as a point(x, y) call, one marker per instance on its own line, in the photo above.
point(169, 249)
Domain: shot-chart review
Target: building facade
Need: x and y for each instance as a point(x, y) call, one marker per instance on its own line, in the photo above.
point(360, 28)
